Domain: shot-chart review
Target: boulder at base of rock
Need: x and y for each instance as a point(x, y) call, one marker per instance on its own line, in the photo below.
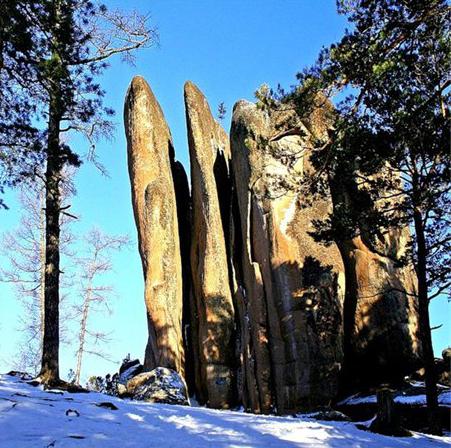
point(161, 385)
point(128, 370)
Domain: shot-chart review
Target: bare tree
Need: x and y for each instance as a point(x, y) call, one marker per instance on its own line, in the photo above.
point(96, 296)
point(24, 250)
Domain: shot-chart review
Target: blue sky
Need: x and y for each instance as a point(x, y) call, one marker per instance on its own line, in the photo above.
point(228, 48)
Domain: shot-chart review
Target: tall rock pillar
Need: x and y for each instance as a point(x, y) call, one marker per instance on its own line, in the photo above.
point(149, 145)
point(292, 286)
point(211, 190)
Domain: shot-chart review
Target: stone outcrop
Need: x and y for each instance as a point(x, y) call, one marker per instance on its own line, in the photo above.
point(292, 286)
point(234, 278)
point(160, 385)
point(209, 154)
point(149, 146)
point(128, 370)
point(381, 315)
point(381, 310)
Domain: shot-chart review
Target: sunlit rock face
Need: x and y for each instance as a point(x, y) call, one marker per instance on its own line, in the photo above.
point(233, 276)
point(149, 145)
point(290, 287)
point(211, 191)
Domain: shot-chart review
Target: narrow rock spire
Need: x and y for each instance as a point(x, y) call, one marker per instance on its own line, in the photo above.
point(211, 193)
point(149, 145)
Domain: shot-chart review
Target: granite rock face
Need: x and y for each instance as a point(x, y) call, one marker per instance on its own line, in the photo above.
point(383, 321)
point(210, 154)
point(381, 310)
point(293, 287)
point(233, 277)
point(149, 145)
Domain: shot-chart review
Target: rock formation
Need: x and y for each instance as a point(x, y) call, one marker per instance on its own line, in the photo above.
point(149, 145)
point(128, 370)
point(233, 277)
point(381, 311)
point(293, 287)
point(189, 315)
point(209, 155)
point(161, 385)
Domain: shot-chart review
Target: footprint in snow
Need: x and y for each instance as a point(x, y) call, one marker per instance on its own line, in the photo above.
point(107, 405)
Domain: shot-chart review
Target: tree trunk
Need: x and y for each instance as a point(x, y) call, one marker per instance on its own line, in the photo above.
point(50, 347)
point(50, 350)
point(425, 328)
point(387, 420)
point(82, 337)
point(42, 268)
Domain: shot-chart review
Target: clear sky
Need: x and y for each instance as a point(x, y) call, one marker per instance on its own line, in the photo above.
point(228, 48)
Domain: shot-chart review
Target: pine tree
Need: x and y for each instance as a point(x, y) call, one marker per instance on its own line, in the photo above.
point(389, 142)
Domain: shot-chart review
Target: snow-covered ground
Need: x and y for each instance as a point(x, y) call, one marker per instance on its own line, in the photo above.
point(31, 417)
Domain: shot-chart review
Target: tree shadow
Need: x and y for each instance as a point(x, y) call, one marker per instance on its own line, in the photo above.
point(382, 344)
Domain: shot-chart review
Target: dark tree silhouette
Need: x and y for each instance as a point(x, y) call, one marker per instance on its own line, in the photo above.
point(389, 142)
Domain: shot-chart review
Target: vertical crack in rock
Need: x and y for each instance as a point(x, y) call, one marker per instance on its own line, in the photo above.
point(211, 189)
point(189, 316)
point(149, 144)
point(292, 284)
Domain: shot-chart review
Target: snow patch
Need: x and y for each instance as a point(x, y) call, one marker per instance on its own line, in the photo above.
point(34, 421)
point(444, 399)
